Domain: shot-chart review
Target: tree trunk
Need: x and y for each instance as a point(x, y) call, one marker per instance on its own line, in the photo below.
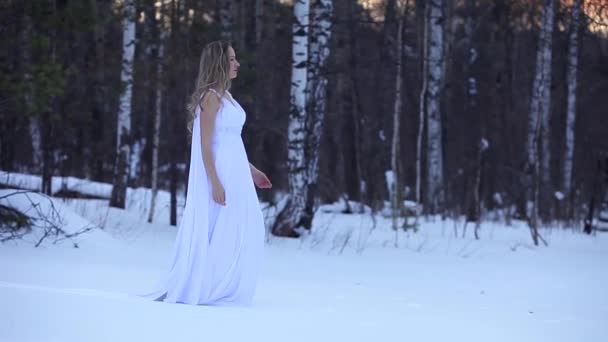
point(602, 218)
point(540, 106)
point(571, 111)
point(174, 129)
point(395, 150)
point(471, 107)
point(320, 34)
point(100, 109)
point(290, 219)
point(48, 164)
point(423, 94)
point(355, 108)
point(123, 131)
point(433, 93)
point(157, 108)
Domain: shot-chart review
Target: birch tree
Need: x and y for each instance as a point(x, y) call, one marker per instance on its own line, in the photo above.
point(395, 150)
point(432, 99)
point(473, 213)
point(160, 19)
point(540, 103)
point(320, 33)
point(572, 82)
point(123, 131)
point(421, 114)
point(290, 218)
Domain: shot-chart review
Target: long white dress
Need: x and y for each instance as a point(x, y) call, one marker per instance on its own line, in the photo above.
point(218, 249)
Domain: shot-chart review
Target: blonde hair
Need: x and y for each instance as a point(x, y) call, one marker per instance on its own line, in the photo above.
point(213, 73)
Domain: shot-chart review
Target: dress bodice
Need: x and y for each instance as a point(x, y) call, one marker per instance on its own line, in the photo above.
point(230, 117)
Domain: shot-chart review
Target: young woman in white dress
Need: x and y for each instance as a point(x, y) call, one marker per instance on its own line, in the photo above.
point(220, 239)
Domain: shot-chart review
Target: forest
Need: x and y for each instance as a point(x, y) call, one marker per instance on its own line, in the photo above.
point(420, 107)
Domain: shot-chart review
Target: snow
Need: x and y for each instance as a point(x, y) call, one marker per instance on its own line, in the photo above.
point(138, 199)
point(485, 144)
point(345, 281)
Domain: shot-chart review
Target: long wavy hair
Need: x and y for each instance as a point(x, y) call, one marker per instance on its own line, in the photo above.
point(213, 73)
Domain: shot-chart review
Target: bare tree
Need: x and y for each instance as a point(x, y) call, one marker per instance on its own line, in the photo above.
point(540, 104)
point(158, 105)
point(355, 102)
point(316, 102)
point(572, 82)
point(422, 112)
point(123, 131)
point(395, 150)
point(538, 107)
point(432, 99)
point(290, 218)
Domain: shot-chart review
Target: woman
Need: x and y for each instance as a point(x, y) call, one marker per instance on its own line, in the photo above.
point(220, 240)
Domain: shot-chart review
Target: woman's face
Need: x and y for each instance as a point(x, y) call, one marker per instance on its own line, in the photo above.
point(234, 64)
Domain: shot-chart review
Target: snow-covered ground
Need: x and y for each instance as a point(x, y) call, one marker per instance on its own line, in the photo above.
point(345, 282)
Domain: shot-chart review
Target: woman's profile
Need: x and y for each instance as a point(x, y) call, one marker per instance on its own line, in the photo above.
point(220, 239)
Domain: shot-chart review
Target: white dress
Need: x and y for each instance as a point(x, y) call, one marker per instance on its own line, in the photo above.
point(218, 249)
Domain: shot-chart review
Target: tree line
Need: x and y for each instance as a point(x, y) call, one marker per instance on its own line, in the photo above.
point(462, 107)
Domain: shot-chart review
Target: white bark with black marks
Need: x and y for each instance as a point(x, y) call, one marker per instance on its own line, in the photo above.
point(540, 103)
point(123, 132)
point(572, 85)
point(288, 221)
point(320, 33)
point(433, 91)
point(538, 125)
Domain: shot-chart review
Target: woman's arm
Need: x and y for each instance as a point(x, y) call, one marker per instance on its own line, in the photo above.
point(210, 105)
point(252, 168)
point(259, 178)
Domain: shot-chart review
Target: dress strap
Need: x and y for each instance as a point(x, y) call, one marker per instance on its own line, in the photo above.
point(215, 92)
point(210, 90)
point(200, 100)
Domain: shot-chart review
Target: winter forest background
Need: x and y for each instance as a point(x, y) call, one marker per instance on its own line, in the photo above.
point(462, 106)
point(419, 151)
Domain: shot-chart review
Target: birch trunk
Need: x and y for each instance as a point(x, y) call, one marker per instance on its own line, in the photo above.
point(545, 112)
point(435, 77)
point(396, 186)
point(540, 104)
point(572, 81)
point(320, 33)
point(123, 131)
point(158, 108)
point(289, 220)
point(423, 92)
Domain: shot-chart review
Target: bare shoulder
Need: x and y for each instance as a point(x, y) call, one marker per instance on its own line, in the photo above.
point(210, 103)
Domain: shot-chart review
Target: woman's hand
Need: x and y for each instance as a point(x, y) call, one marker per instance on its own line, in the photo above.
point(219, 194)
point(260, 179)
